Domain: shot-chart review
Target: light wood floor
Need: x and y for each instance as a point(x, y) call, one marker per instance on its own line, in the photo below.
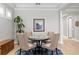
point(70, 47)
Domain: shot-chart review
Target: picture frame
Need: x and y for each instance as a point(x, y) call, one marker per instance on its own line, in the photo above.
point(38, 25)
point(77, 23)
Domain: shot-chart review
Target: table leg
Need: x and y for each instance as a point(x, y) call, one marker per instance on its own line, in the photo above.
point(38, 43)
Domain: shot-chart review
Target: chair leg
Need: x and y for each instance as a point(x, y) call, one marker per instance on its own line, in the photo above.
point(56, 51)
point(20, 51)
point(52, 53)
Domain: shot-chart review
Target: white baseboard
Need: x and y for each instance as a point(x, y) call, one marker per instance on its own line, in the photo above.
point(75, 40)
point(70, 38)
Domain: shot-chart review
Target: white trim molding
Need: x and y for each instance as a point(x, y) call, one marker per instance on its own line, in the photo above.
point(61, 28)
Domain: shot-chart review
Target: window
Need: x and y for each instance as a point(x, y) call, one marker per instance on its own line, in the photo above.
point(8, 14)
point(5, 13)
point(1, 11)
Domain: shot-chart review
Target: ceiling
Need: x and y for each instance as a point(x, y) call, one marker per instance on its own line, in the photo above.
point(35, 6)
point(74, 5)
point(38, 5)
point(44, 6)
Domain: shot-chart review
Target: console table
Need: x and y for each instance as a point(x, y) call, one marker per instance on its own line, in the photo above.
point(6, 46)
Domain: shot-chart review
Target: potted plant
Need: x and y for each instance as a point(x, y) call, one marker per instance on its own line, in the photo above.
point(19, 25)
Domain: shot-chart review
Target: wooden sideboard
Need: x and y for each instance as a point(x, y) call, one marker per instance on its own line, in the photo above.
point(6, 46)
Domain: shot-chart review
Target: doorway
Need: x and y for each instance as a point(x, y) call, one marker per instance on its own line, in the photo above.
point(68, 28)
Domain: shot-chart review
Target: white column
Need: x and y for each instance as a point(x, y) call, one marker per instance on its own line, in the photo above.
point(61, 28)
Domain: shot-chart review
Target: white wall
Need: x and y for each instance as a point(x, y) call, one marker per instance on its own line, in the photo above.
point(6, 26)
point(51, 18)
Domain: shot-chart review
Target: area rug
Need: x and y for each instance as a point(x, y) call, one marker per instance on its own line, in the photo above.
point(39, 51)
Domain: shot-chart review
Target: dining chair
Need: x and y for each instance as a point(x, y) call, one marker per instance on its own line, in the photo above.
point(51, 35)
point(23, 42)
point(54, 37)
point(54, 41)
point(48, 42)
point(28, 34)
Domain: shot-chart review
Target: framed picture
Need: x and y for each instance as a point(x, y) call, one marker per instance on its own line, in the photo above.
point(77, 23)
point(38, 25)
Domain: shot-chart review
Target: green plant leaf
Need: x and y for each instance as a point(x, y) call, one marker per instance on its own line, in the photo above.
point(19, 24)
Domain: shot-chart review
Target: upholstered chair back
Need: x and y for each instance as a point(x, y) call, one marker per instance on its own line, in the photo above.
point(51, 35)
point(23, 42)
point(54, 41)
point(28, 34)
point(48, 42)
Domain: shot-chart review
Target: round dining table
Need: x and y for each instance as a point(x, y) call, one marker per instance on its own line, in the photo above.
point(38, 39)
